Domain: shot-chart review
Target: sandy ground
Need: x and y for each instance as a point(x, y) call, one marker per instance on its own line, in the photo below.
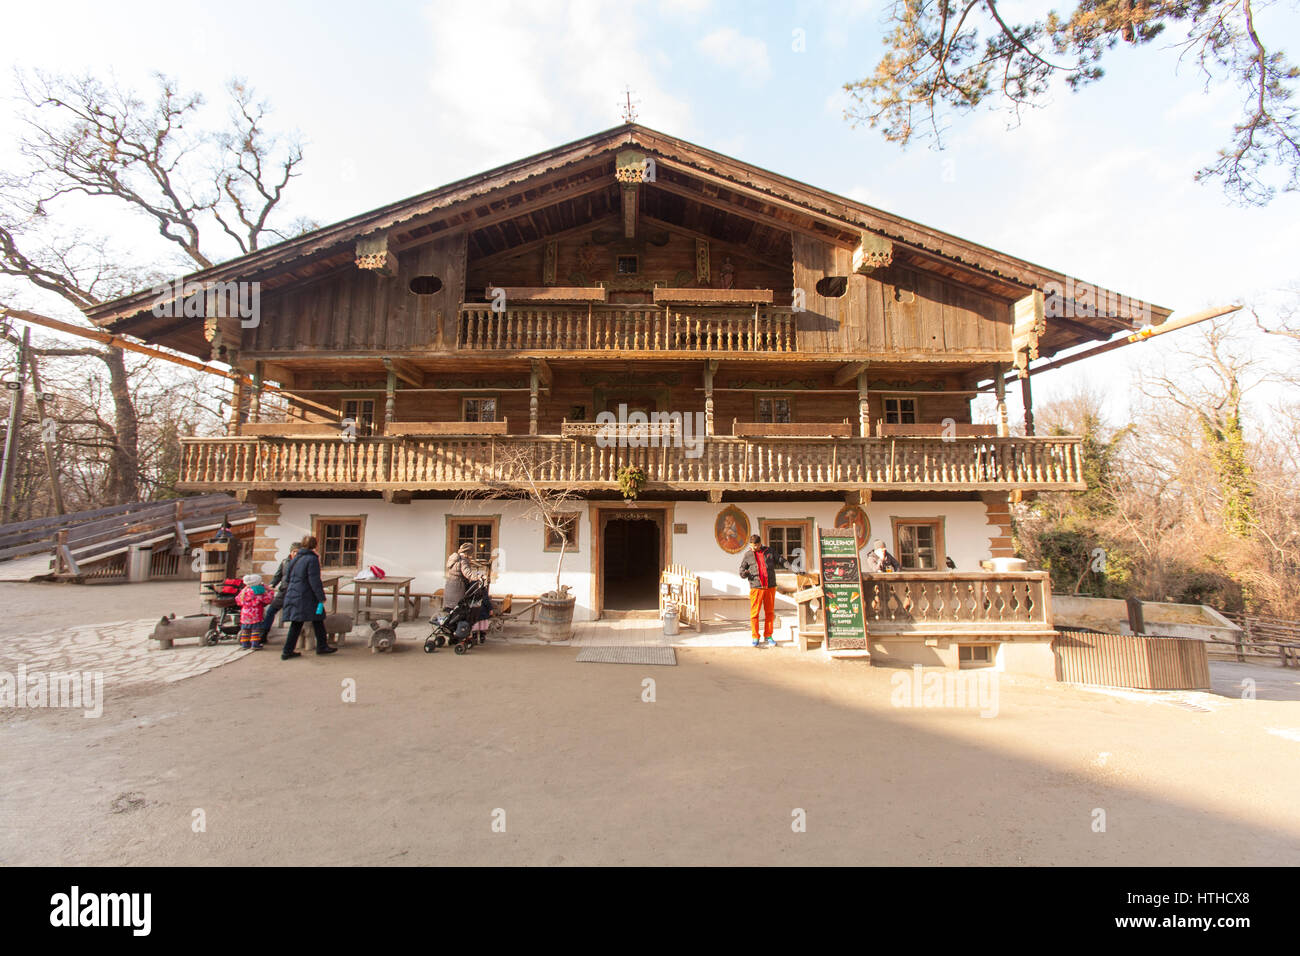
point(737, 745)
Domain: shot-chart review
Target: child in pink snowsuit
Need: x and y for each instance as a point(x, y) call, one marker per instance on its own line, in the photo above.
point(252, 599)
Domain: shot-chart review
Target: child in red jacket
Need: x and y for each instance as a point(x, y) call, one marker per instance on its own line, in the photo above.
point(252, 600)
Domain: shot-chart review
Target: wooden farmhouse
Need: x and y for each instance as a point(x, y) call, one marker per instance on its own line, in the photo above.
point(804, 361)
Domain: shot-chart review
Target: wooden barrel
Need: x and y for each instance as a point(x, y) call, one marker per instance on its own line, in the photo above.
point(555, 618)
point(216, 566)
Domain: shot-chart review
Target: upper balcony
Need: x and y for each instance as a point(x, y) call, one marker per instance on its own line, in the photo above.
point(584, 463)
point(678, 330)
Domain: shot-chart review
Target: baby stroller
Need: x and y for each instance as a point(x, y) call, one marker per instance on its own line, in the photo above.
point(456, 626)
point(226, 626)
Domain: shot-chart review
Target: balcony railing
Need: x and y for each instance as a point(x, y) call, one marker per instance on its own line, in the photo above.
point(627, 328)
point(957, 603)
point(705, 464)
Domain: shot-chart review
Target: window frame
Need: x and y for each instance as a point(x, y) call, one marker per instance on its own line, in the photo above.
point(884, 409)
point(786, 397)
point(370, 397)
point(806, 526)
point(466, 399)
point(972, 662)
point(450, 536)
point(940, 540)
point(318, 532)
point(572, 548)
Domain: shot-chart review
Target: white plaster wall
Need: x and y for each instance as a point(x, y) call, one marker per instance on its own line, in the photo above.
point(410, 539)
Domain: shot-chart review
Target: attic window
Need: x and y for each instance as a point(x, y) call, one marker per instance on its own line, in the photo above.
point(426, 285)
point(832, 287)
point(627, 265)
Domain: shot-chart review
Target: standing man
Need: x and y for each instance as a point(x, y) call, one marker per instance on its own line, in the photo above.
point(758, 567)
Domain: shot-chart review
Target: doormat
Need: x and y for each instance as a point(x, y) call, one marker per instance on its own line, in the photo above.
point(628, 655)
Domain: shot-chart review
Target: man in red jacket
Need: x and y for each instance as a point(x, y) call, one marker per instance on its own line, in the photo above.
point(758, 567)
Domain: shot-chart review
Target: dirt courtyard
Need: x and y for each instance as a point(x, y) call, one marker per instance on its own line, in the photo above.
point(519, 755)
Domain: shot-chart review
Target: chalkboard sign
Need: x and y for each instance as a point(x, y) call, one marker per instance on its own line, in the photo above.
point(846, 626)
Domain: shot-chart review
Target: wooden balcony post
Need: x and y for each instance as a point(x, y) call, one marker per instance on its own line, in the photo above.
point(236, 395)
point(1028, 396)
point(390, 399)
point(864, 406)
point(533, 378)
point(710, 367)
point(255, 401)
point(1000, 387)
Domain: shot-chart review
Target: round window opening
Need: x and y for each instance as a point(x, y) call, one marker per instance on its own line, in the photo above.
point(426, 285)
point(832, 287)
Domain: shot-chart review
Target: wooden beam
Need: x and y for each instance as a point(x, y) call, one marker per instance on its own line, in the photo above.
point(405, 371)
point(543, 369)
point(846, 373)
point(1029, 324)
point(552, 198)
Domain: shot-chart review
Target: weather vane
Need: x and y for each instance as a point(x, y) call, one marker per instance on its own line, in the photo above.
point(629, 109)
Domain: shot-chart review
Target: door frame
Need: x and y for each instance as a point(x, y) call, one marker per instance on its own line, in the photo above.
point(601, 513)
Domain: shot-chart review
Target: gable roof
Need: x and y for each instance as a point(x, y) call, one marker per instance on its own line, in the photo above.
point(834, 217)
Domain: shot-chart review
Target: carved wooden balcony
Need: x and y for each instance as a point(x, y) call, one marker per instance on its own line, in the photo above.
point(596, 329)
point(453, 462)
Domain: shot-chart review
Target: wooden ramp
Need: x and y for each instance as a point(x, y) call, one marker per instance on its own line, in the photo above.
point(95, 544)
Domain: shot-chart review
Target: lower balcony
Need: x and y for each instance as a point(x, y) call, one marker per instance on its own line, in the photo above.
point(585, 463)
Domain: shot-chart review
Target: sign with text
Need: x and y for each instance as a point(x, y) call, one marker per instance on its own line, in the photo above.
point(846, 627)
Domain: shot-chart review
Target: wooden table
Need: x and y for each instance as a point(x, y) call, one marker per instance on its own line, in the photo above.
point(331, 586)
point(399, 588)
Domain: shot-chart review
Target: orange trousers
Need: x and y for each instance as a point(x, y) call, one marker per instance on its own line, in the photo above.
point(762, 599)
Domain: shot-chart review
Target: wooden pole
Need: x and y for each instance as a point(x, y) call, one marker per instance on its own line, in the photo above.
point(864, 406)
point(1172, 325)
point(533, 377)
point(1000, 387)
point(11, 437)
point(710, 366)
point(1027, 394)
point(46, 439)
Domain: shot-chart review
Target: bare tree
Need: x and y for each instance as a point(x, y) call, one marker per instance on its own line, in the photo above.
point(959, 54)
point(90, 139)
point(535, 475)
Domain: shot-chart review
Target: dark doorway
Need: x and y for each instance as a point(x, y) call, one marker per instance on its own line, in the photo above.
point(630, 562)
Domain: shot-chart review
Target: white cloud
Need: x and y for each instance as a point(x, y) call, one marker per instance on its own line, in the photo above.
point(731, 49)
point(512, 78)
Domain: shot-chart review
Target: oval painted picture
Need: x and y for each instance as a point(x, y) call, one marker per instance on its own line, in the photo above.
point(851, 516)
point(731, 530)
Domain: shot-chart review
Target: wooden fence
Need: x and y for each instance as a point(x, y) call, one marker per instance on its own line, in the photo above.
point(682, 588)
point(1128, 660)
point(1263, 638)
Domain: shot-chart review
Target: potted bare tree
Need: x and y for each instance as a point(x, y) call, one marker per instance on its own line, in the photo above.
point(522, 474)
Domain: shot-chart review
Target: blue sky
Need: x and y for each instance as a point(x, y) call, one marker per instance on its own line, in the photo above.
point(394, 98)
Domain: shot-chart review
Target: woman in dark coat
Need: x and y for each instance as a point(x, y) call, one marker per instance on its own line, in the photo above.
point(304, 600)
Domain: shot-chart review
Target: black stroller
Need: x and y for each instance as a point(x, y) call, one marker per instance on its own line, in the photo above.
point(456, 626)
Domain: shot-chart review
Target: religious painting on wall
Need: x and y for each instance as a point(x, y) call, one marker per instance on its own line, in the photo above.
point(731, 530)
point(851, 516)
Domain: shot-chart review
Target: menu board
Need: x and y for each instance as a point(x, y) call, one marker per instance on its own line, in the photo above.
point(846, 626)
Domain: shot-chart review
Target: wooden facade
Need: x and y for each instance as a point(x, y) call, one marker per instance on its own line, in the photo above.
point(824, 343)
